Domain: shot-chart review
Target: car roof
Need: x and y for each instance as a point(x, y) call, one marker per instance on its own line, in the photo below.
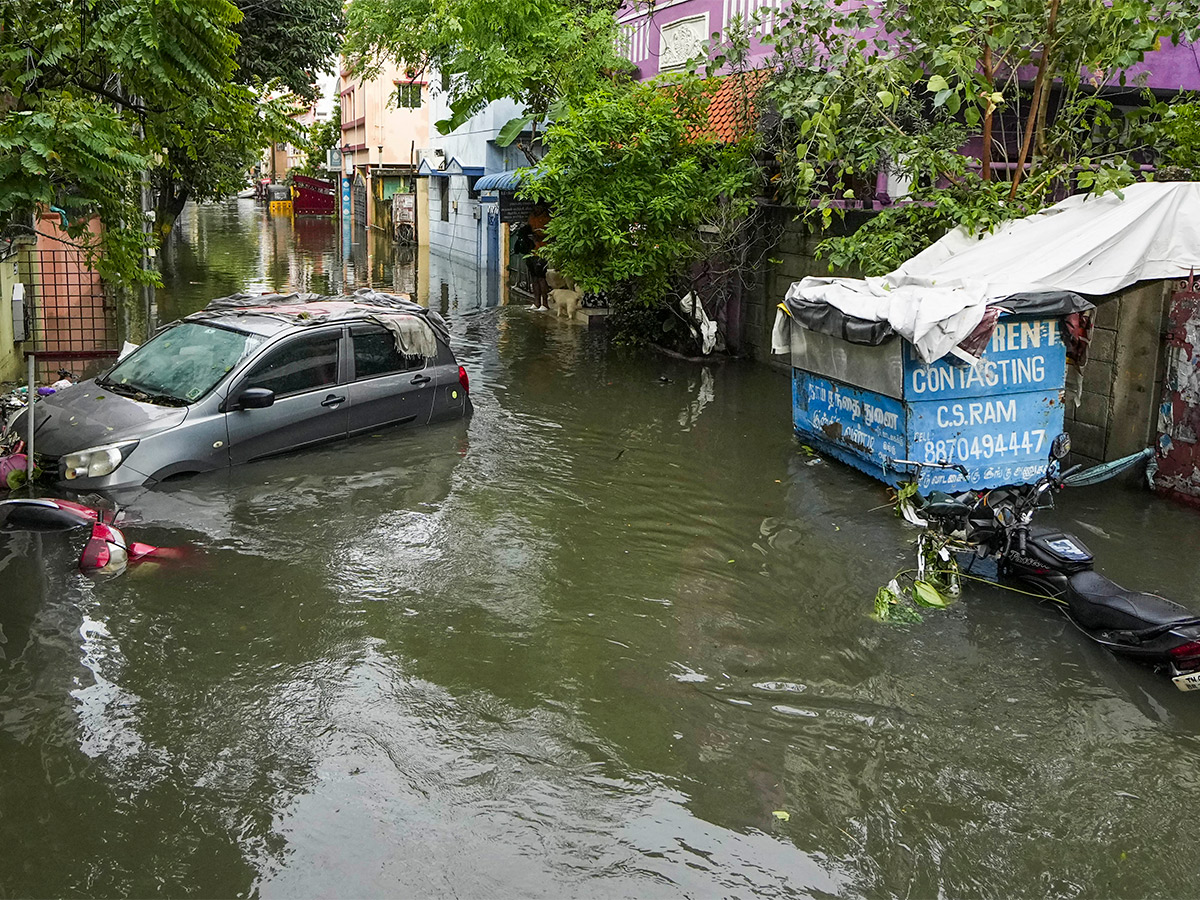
point(271, 320)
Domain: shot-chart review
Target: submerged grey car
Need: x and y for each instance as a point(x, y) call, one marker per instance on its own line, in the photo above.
point(231, 385)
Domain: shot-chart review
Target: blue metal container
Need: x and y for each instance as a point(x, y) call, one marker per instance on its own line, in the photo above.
point(873, 406)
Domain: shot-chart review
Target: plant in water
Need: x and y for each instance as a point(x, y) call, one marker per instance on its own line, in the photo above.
point(893, 604)
point(935, 582)
point(896, 603)
point(904, 497)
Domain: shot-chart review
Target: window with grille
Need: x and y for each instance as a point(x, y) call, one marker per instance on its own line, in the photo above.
point(408, 95)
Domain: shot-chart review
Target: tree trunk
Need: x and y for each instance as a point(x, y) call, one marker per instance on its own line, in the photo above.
point(1039, 131)
point(989, 76)
point(170, 201)
point(1035, 102)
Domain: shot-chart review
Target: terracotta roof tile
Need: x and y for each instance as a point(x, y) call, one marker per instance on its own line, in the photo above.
point(732, 111)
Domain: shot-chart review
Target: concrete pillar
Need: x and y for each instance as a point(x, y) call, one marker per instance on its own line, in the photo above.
point(1137, 363)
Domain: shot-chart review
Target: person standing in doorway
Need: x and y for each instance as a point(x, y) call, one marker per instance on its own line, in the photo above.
point(538, 220)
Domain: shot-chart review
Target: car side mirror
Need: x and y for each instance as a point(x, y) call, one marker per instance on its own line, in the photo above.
point(1060, 447)
point(255, 398)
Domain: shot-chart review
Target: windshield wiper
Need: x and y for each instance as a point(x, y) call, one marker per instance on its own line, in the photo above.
point(129, 390)
point(118, 388)
point(162, 399)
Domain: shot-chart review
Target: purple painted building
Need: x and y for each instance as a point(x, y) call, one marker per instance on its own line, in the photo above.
point(662, 37)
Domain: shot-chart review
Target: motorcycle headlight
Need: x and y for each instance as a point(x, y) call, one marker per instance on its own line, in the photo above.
point(96, 462)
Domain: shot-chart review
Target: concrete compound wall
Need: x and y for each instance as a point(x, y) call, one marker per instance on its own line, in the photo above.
point(1122, 381)
point(788, 253)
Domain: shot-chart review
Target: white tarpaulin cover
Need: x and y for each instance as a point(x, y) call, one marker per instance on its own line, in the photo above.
point(1090, 245)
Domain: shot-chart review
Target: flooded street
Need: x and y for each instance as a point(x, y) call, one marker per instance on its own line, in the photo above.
point(610, 637)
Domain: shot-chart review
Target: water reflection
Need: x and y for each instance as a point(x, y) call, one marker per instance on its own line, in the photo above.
point(218, 249)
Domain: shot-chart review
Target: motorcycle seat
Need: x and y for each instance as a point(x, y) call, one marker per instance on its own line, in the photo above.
point(1098, 603)
point(942, 505)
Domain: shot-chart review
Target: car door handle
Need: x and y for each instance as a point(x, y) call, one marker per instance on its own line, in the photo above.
point(333, 400)
point(421, 379)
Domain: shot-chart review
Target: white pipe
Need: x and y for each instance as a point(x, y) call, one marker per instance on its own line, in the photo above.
point(29, 422)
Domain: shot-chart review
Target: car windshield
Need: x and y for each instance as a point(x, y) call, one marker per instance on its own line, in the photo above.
point(183, 363)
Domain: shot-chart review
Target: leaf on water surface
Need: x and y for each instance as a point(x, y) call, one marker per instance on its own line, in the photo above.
point(925, 594)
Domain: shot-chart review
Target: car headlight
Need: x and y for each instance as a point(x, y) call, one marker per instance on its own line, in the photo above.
point(96, 462)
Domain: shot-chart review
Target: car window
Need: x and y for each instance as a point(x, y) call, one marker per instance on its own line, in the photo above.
point(375, 354)
point(302, 364)
point(184, 361)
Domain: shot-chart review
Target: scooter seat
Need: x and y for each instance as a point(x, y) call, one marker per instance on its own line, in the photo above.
point(1098, 603)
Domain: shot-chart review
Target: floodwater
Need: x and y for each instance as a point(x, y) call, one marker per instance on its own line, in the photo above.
point(609, 638)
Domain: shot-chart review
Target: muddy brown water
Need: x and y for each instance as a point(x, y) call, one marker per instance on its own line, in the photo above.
point(609, 638)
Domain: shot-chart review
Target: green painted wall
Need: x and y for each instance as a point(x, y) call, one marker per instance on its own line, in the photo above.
point(12, 361)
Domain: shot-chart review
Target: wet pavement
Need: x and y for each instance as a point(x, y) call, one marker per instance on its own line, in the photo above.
point(593, 642)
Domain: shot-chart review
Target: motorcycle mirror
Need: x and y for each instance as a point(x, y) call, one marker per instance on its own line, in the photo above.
point(1061, 446)
point(1005, 517)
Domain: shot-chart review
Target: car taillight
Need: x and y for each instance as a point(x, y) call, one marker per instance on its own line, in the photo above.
point(105, 552)
point(1185, 651)
point(464, 380)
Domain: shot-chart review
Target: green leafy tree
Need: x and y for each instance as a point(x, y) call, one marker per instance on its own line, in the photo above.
point(632, 175)
point(207, 154)
point(322, 137)
point(539, 53)
point(282, 45)
point(83, 95)
point(905, 86)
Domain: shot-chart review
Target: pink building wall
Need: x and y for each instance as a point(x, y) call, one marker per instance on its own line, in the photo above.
point(376, 131)
point(663, 40)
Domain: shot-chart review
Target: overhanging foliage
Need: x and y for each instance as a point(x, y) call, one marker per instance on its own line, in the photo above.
point(630, 182)
point(916, 88)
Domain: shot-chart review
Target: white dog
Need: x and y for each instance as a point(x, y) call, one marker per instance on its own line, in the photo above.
point(566, 300)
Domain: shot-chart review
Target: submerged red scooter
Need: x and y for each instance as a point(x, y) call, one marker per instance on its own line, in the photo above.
point(107, 552)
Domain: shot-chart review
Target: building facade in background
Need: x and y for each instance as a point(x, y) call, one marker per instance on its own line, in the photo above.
point(385, 121)
point(462, 241)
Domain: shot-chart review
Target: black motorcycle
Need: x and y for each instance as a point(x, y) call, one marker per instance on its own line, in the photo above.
point(1057, 566)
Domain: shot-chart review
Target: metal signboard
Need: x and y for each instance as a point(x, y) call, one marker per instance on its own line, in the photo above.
point(345, 192)
point(514, 211)
point(996, 419)
point(855, 425)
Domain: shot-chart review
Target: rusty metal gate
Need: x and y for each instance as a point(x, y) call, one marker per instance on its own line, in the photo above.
point(70, 319)
point(1179, 414)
